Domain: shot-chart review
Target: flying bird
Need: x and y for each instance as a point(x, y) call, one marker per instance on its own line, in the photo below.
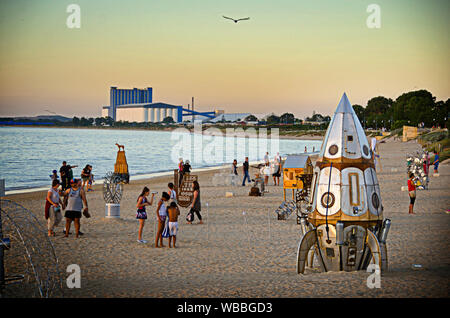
point(236, 20)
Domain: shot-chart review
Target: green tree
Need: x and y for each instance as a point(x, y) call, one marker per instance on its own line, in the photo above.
point(359, 110)
point(287, 118)
point(273, 119)
point(251, 118)
point(415, 107)
point(76, 121)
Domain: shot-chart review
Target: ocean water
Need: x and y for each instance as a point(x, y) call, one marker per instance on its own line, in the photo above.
point(28, 155)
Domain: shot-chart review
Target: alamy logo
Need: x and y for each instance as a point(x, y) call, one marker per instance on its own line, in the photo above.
point(74, 279)
point(374, 19)
point(374, 279)
point(74, 19)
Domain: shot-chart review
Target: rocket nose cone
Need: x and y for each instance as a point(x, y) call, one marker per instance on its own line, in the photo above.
point(344, 105)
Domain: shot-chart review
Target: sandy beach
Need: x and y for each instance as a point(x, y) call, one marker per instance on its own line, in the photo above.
point(242, 250)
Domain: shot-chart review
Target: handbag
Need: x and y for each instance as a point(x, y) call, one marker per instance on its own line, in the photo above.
point(190, 216)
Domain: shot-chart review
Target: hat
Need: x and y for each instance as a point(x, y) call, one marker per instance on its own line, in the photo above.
point(73, 181)
point(54, 171)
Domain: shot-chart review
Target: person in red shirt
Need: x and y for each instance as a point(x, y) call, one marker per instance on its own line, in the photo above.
point(412, 192)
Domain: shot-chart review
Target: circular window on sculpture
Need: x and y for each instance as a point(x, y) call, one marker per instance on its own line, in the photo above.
point(333, 150)
point(375, 201)
point(327, 200)
point(366, 150)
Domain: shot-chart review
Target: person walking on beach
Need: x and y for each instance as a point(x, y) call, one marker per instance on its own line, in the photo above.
point(141, 213)
point(172, 193)
point(245, 169)
point(75, 201)
point(173, 212)
point(277, 173)
point(412, 192)
point(266, 171)
point(180, 171)
point(436, 162)
point(85, 175)
point(161, 214)
point(196, 205)
point(53, 208)
point(91, 180)
point(234, 168)
point(266, 158)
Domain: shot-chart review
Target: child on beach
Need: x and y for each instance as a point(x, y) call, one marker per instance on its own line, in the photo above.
point(173, 212)
point(141, 214)
point(161, 214)
point(54, 176)
point(412, 192)
point(436, 162)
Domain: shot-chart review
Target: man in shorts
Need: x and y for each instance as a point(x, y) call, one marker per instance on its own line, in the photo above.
point(173, 212)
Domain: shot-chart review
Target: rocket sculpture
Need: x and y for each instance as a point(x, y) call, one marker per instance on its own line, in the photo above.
point(345, 230)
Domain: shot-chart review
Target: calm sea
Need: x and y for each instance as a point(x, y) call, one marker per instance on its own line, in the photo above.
point(28, 155)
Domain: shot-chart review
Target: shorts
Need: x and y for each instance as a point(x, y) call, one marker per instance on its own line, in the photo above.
point(412, 200)
point(141, 215)
point(73, 214)
point(173, 228)
point(163, 218)
point(85, 178)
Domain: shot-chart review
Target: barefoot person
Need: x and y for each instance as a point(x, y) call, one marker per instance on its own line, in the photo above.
point(85, 175)
point(76, 198)
point(53, 208)
point(173, 212)
point(141, 214)
point(412, 192)
point(161, 214)
point(196, 205)
point(172, 193)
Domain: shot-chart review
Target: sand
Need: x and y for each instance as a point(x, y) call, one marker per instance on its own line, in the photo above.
point(242, 250)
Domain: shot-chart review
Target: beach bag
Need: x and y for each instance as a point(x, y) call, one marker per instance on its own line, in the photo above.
point(190, 216)
point(166, 232)
point(255, 192)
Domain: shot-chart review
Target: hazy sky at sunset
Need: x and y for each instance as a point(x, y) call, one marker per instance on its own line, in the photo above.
point(291, 56)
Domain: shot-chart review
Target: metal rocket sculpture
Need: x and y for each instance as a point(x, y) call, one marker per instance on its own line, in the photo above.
point(345, 230)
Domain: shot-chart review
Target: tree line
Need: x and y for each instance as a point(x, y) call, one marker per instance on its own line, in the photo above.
point(415, 108)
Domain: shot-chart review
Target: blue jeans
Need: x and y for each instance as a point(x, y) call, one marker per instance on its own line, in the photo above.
point(246, 175)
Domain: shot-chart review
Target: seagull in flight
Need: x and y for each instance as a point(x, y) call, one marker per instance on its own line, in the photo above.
point(236, 20)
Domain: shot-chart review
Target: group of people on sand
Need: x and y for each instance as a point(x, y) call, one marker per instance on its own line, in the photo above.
point(267, 169)
point(167, 213)
point(68, 195)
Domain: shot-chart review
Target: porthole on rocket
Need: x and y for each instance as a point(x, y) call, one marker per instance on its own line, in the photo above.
point(327, 200)
point(333, 150)
point(375, 200)
point(366, 150)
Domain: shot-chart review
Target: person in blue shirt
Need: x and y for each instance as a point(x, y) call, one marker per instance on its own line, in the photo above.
point(436, 162)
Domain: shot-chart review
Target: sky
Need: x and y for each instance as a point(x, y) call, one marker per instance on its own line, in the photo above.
point(295, 56)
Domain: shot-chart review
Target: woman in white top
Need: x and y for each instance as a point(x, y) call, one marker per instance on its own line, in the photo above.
point(267, 173)
point(54, 216)
point(161, 214)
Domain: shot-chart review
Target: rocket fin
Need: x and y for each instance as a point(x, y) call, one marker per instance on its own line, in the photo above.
point(306, 243)
point(375, 249)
